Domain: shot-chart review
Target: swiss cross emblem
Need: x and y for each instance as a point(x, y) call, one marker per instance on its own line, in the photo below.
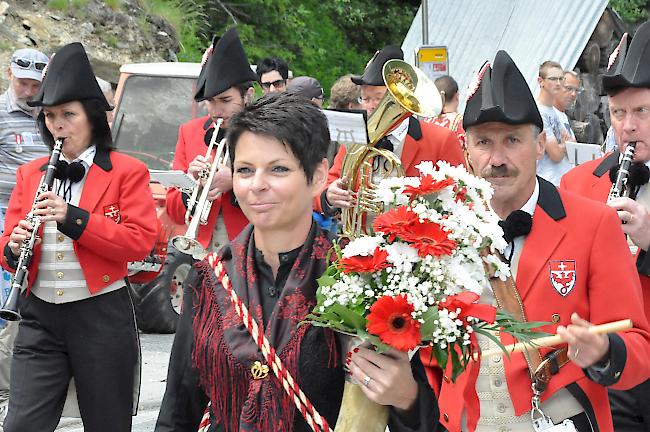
point(563, 275)
point(113, 211)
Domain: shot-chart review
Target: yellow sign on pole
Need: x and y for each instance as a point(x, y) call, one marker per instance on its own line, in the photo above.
point(433, 60)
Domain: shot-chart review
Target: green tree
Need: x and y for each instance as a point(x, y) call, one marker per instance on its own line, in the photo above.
point(631, 11)
point(323, 39)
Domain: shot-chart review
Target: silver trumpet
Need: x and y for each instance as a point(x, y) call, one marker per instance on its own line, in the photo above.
point(9, 310)
point(198, 206)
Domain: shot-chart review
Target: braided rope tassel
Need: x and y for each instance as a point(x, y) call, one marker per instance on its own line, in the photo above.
point(204, 426)
point(308, 411)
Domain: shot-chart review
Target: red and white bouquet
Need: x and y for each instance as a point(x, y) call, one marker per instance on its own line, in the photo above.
point(418, 279)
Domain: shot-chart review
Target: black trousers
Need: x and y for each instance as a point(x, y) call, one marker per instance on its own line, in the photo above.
point(93, 340)
point(631, 408)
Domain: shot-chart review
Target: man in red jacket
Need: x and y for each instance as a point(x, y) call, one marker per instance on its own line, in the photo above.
point(559, 252)
point(412, 140)
point(627, 82)
point(225, 84)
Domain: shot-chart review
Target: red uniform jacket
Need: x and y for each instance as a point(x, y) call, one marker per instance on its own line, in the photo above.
point(583, 236)
point(191, 144)
point(115, 222)
point(424, 142)
point(591, 180)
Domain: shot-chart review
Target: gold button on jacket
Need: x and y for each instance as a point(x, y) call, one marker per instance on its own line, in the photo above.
point(105, 278)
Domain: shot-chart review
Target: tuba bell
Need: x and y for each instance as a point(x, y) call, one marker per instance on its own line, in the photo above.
point(198, 206)
point(410, 92)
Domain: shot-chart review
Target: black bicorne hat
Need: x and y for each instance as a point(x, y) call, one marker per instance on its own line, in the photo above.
point(69, 77)
point(225, 66)
point(501, 94)
point(630, 66)
point(373, 74)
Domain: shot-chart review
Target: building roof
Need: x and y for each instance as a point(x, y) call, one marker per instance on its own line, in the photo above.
point(531, 31)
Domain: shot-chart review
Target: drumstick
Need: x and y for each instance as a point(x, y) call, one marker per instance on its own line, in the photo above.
point(547, 341)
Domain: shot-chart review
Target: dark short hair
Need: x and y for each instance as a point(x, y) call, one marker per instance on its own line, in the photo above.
point(96, 113)
point(291, 119)
point(447, 86)
point(270, 64)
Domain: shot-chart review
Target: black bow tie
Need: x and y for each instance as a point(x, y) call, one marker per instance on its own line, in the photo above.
point(518, 223)
point(73, 172)
point(385, 143)
point(68, 173)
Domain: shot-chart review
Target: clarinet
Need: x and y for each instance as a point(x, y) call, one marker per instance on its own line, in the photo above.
point(619, 188)
point(9, 309)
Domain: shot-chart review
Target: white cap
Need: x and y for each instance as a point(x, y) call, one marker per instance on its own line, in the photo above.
point(28, 63)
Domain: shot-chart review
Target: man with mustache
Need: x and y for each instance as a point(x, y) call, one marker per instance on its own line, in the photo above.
point(627, 83)
point(559, 249)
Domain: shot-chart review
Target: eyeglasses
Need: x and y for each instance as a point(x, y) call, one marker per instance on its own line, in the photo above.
point(276, 84)
point(555, 79)
point(24, 63)
point(572, 89)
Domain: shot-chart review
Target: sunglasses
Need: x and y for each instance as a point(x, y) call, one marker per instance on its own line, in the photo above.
point(27, 64)
point(276, 84)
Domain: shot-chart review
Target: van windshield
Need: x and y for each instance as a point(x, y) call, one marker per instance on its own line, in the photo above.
point(150, 110)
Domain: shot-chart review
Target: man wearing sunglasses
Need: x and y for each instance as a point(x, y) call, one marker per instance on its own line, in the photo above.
point(20, 142)
point(273, 74)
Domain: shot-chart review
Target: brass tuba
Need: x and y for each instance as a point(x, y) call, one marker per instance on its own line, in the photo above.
point(410, 91)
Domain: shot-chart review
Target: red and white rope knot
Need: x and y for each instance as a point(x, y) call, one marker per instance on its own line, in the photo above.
point(309, 412)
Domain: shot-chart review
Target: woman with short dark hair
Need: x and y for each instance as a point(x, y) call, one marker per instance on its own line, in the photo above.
point(77, 316)
point(277, 148)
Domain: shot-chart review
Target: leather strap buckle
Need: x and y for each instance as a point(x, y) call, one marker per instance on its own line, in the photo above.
point(550, 366)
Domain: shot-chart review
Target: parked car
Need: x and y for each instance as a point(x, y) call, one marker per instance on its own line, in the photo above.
point(151, 101)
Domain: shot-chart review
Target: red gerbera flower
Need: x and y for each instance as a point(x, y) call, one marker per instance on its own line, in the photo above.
point(365, 264)
point(466, 302)
point(390, 319)
point(429, 239)
point(427, 186)
point(395, 222)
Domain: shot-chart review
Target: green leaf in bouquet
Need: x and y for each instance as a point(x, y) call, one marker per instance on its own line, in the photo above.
point(328, 320)
point(348, 316)
point(329, 276)
point(456, 367)
point(489, 334)
point(441, 355)
point(429, 317)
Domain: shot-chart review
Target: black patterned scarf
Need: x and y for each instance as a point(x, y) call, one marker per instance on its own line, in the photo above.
point(224, 351)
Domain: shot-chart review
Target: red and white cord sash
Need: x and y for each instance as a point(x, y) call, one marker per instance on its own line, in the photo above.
point(308, 411)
